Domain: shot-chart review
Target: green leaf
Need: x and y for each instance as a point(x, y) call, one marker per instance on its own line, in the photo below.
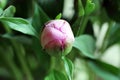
point(68, 67)
point(33, 63)
point(81, 11)
point(4, 72)
point(36, 19)
point(21, 38)
point(7, 54)
point(7, 50)
point(55, 75)
point(20, 25)
point(52, 7)
point(39, 18)
point(85, 44)
point(3, 3)
point(1, 11)
point(58, 16)
point(41, 55)
point(114, 32)
point(89, 7)
point(9, 12)
point(105, 71)
point(43, 15)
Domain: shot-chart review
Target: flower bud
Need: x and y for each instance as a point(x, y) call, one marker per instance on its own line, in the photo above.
point(57, 37)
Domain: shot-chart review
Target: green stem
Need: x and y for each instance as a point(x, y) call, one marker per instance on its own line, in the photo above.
point(12, 66)
point(52, 63)
point(17, 74)
point(14, 69)
point(82, 26)
point(19, 53)
point(56, 64)
point(22, 60)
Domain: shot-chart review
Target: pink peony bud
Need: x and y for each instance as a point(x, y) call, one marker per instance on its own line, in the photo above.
point(57, 37)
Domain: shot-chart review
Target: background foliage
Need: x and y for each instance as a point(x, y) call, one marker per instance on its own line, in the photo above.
point(21, 54)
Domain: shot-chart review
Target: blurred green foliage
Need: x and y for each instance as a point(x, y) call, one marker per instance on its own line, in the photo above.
point(21, 54)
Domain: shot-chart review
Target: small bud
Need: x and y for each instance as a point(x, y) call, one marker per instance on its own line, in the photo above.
point(57, 37)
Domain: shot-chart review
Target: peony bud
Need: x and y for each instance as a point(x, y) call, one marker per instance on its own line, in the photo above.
point(57, 37)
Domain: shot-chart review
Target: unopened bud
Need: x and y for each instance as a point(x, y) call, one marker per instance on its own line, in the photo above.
point(57, 37)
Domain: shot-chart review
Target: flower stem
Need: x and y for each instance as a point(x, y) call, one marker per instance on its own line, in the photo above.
point(82, 26)
point(14, 69)
point(22, 60)
point(11, 65)
point(56, 64)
